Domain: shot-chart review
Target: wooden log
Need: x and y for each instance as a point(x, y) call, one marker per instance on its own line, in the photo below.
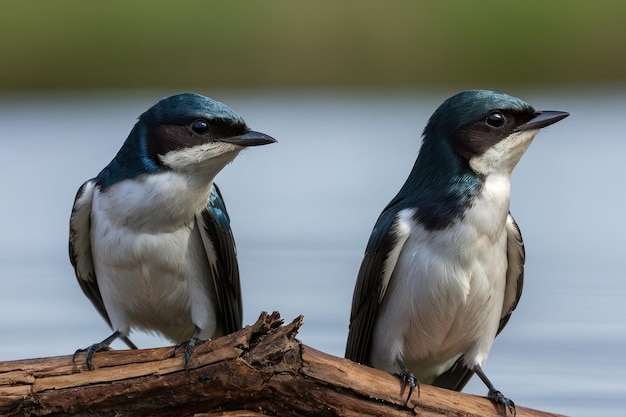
point(260, 370)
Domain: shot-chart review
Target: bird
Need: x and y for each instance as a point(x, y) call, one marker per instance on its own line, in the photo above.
point(444, 265)
point(150, 238)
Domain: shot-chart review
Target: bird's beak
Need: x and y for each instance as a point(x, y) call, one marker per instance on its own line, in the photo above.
point(251, 138)
point(543, 119)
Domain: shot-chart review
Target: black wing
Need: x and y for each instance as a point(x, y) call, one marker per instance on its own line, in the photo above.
point(80, 250)
point(219, 244)
point(458, 375)
point(371, 284)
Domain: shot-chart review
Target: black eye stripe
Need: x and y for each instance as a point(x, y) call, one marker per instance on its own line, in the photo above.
point(495, 119)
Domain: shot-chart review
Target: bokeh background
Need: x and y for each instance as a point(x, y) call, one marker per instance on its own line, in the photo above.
point(346, 88)
point(284, 44)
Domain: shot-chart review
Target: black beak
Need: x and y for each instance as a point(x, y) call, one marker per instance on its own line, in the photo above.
point(542, 119)
point(249, 139)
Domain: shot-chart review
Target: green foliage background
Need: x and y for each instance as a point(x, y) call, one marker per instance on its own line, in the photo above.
point(282, 43)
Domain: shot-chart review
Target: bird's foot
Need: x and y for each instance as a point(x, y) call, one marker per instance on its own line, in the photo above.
point(96, 347)
point(497, 397)
point(409, 379)
point(189, 344)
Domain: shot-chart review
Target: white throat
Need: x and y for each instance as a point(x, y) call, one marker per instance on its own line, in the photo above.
point(501, 158)
point(202, 161)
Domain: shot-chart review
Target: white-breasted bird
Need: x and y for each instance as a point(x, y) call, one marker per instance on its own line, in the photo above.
point(444, 265)
point(150, 238)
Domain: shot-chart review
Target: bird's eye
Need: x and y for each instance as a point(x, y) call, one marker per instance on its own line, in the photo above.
point(495, 119)
point(200, 126)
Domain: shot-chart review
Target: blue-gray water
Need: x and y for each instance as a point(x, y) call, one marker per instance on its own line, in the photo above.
point(302, 211)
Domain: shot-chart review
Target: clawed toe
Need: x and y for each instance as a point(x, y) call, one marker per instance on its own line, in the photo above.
point(409, 379)
point(497, 397)
point(189, 344)
point(96, 347)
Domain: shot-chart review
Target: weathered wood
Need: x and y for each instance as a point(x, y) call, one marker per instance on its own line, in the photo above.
point(261, 370)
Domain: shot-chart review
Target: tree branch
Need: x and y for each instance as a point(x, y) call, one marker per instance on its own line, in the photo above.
point(260, 370)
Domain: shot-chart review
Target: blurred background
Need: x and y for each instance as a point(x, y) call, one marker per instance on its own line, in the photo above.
point(346, 88)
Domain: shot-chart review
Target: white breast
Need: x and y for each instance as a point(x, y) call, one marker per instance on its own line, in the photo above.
point(446, 292)
point(150, 262)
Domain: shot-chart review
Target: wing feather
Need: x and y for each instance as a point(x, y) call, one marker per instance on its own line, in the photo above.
point(516, 255)
point(80, 247)
point(381, 255)
point(81, 256)
point(219, 243)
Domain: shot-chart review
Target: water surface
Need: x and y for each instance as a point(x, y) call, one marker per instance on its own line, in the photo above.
point(302, 211)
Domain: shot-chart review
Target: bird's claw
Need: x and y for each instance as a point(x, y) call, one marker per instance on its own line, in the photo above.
point(189, 344)
point(409, 379)
point(96, 347)
point(497, 397)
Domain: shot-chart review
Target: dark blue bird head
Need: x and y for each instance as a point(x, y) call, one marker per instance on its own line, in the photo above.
point(181, 130)
point(473, 134)
point(467, 107)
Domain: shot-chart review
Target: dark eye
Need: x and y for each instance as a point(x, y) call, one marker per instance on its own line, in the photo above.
point(495, 119)
point(200, 126)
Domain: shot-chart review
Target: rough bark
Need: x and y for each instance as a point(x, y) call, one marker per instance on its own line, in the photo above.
point(260, 370)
